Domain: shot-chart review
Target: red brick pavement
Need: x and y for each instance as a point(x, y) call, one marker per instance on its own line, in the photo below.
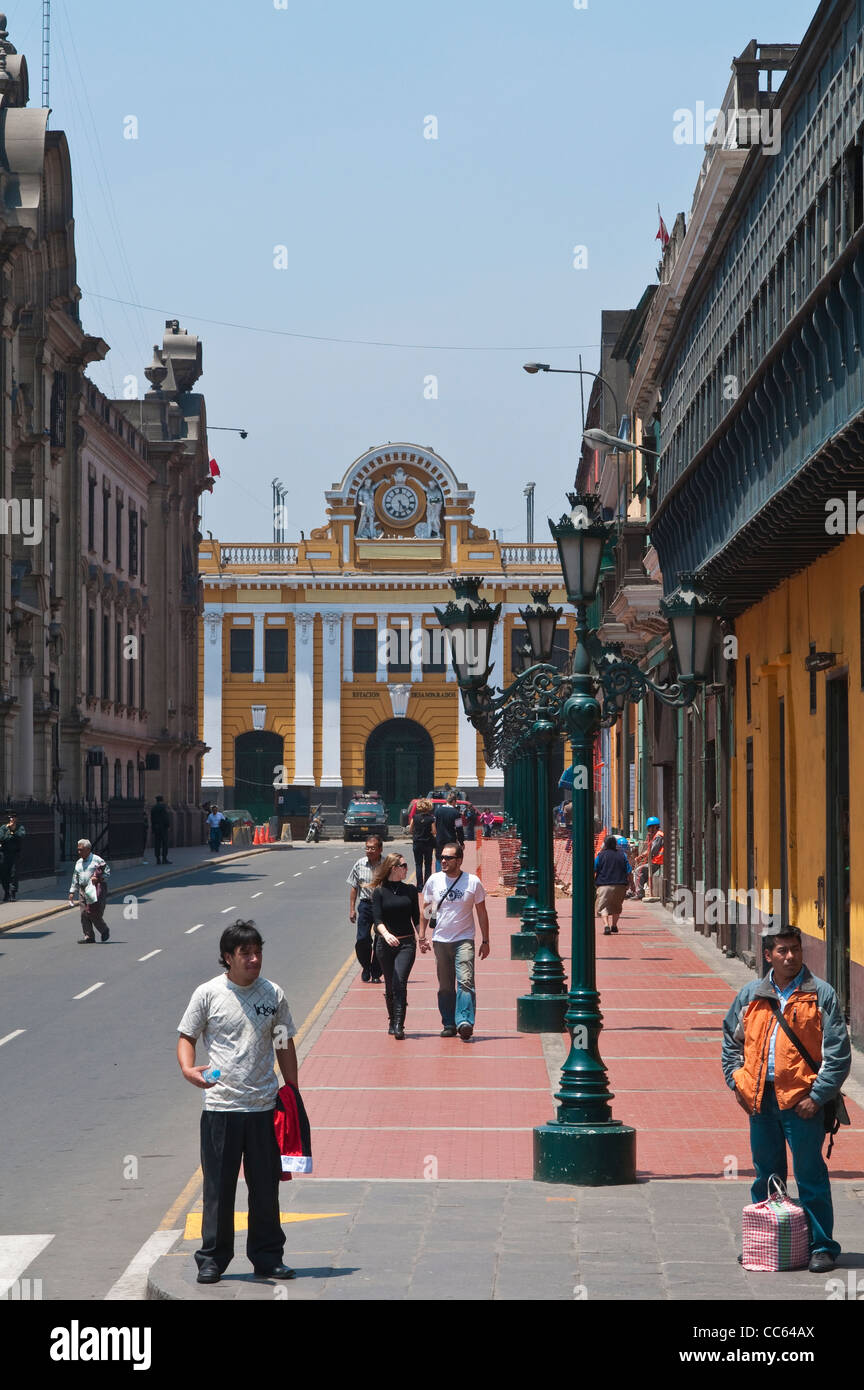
point(440, 1108)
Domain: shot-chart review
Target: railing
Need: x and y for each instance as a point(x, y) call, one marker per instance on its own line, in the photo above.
point(527, 553)
point(279, 554)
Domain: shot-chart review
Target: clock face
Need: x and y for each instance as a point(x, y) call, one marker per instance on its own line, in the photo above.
point(399, 503)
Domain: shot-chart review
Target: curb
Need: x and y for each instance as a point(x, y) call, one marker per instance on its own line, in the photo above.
point(140, 883)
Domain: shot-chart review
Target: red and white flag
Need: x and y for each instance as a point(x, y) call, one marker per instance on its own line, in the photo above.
point(662, 234)
point(214, 469)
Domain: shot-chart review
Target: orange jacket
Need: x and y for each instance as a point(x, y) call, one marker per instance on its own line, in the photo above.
point(747, 1037)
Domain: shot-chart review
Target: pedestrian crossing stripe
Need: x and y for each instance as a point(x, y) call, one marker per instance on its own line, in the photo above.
point(241, 1220)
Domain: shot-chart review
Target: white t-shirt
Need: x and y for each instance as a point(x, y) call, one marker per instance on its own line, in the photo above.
point(236, 1024)
point(455, 914)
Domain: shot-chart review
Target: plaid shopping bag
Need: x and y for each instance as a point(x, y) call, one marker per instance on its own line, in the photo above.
point(776, 1236)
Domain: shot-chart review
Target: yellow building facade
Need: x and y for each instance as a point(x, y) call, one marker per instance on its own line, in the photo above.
point(323, 668)
point(798, 804)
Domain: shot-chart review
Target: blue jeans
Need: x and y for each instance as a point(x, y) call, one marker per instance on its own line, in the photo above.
point(457, 1001)
point(770, 1130)
point(215, 838)
point(364, 947)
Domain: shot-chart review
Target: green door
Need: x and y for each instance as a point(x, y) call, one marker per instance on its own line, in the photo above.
point(400, 764)
point(256, 758)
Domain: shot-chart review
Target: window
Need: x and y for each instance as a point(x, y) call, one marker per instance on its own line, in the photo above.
point(133, 542)
point(118, 665)
point(365, 651)
point(106, 658)
point(91, 514)
point(143, 548)
point(130, 780)
point(141, 690)
point(130, 684)
point(58, 410)
point(91, 651)
point(276, 650)
point(241, 650)
point(106, 503)
point(119, 509)
point(118, 778)
point(435, 653)
point(52, 555)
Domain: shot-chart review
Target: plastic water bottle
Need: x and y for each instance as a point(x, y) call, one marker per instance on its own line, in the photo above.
point(211, 1074)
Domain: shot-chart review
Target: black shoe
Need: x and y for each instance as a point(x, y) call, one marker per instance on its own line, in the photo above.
point(821, 1261)
point(465, 1030)
point(399, 1027)
point(208, 1274)
point(607, 931)
point(376, 979)
point(167, 861)
point(89, 940)
point(740, 1259)
point(390, 1029)
point(448, 1032)
point(366, 975)
point(277, 1272)
point(614, 931)
point(105, 934)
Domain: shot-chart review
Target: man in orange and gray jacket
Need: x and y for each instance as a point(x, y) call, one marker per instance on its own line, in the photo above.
point(775, 1085)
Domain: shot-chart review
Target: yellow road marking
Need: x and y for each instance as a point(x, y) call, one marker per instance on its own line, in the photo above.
point(190, 1191)
point(241, 1220)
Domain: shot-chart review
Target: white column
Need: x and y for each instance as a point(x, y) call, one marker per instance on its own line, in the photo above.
point(454, 545)
point(494, 776)
point(304, 627)
point(331, 703)
point(211, 769)
point(417, 649)
point(24, 727)
point(467, 774)
point(347, 646)
point(258, 648)
point(383, 625)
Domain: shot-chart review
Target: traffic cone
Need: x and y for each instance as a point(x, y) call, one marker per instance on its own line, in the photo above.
point(257, 837)
point(265, 834)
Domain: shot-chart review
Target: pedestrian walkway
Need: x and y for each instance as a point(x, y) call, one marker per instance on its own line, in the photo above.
point(423, 1149)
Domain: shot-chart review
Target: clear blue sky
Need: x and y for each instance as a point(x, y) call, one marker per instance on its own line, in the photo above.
point(303, 127)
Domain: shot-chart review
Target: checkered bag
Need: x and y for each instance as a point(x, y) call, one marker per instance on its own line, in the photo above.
point(776, 1236)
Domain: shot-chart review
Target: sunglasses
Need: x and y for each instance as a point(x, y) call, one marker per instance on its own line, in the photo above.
point(446, 857)
point(402, 865)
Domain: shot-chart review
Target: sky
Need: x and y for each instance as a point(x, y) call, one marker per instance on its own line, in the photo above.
point(353, 281)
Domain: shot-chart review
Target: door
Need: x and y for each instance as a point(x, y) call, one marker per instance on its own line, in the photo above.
point(837, 838)
point(257, 756)
point(400, 764)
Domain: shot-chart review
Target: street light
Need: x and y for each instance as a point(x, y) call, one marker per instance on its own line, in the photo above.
point(533, 367)
point(541, 622)
point(606, 443)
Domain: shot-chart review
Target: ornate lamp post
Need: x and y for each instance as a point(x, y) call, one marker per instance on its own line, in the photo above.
point(584, 1144)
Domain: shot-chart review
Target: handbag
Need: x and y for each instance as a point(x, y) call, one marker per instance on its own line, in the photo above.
point(433, 916)
point(834, 1112)
point(775, 1234)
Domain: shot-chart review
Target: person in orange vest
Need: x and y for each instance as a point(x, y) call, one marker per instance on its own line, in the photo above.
point(650, 856)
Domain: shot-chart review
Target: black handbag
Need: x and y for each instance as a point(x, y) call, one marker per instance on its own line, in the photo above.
point(834, 1112)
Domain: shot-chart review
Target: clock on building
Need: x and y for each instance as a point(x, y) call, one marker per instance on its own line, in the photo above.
point(400, 503)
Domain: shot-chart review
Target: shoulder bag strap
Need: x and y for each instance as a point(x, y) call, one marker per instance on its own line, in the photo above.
point(775, 1005)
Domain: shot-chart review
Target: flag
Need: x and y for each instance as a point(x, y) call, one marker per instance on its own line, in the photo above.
point(662, 234)
point(214, 469)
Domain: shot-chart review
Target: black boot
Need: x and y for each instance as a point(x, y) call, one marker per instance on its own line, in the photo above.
point(399, 1024)
point(388, 999)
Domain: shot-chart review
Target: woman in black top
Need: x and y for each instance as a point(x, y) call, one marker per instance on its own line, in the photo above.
point(395, 914)
point(611, 875)
point(422, 827)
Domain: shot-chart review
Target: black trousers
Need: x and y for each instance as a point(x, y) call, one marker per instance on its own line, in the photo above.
point(364, 945)
point(227, 1136)
point(9, 873)
point(160, 844)
point(395, 963)
point(423, 861)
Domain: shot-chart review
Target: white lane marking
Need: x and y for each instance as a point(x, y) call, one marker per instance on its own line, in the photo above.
point(189, 930)
point(311, 866)
point(16, 1253)
point(85, 992)
point(256, 895)
point(297, 875)
point(132, 1284)
point(279, 884)
point(150, 954)
point(232, 908)
point(325, 861)
point(10, 1036)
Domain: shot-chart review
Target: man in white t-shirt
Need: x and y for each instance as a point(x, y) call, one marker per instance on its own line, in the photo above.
point(450, 900)
point(241, 1018)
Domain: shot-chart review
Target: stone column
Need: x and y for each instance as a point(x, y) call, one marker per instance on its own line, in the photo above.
point(417, 649)
point(348, 646)
point(467, 774)
point(304, 651)
point(211, 771)
point(258, 648)
point(331, 702)
point(383, 625)
point(24, 727)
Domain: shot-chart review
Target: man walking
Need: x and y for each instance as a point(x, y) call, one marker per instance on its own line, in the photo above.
point(450, 899)
point(773, 1081)
point(360, 908)
point(214, 828)
point(448, 826)
point(11, 835)
point(160, 824)
point(88, 890)
point(241, 1018)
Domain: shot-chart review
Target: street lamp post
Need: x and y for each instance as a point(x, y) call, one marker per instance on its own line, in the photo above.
point(584, 1144)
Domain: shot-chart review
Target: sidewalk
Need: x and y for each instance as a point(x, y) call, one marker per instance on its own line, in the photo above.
point(423, 1149)
point(36, 903)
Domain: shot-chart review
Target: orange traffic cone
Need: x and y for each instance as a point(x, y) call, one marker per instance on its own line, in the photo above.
point(256, 839)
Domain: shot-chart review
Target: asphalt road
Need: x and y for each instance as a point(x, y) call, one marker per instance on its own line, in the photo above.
point(99, 1131)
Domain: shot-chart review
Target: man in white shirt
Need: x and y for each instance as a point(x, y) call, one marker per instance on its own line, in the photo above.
point(88, 883)
point(241, 1018)
point(450, 900)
